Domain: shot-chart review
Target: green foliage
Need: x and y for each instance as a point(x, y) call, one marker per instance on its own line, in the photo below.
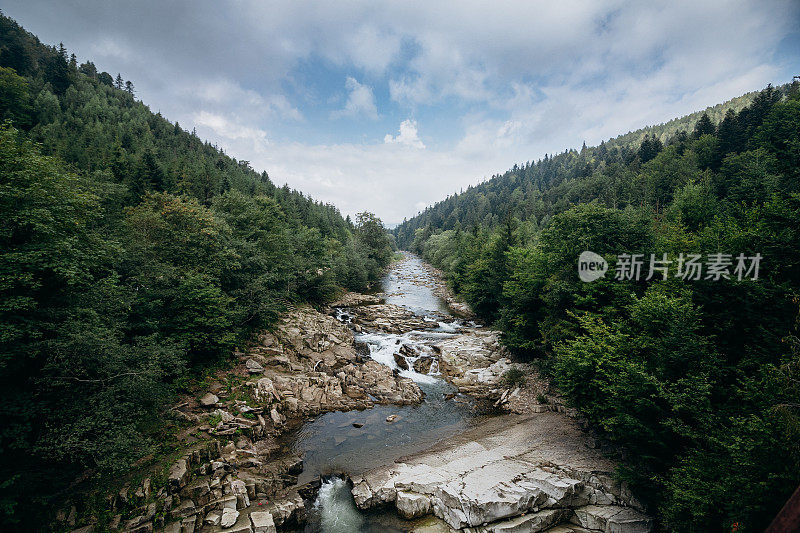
point(145, 263)
point(696, 381)
point(513, 377)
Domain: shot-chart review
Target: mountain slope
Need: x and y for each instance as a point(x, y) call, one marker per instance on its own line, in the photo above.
point(694, 373)
point(133, 257)
point(539, 189)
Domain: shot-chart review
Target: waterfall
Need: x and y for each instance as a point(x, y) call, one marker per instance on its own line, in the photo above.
point(336, 509)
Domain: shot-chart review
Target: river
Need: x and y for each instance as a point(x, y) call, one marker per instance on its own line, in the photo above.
point(355, 441)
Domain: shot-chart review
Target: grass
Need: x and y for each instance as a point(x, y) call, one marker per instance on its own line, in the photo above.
point(513, 377)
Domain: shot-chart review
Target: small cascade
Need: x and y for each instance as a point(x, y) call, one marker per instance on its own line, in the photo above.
point(402, 352)
point(334, 509)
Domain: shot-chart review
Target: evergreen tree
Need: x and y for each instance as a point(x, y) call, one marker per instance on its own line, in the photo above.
point(704, 126)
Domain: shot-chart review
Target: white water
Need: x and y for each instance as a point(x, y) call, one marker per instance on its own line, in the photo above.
point(384, 346)
point(336, 508)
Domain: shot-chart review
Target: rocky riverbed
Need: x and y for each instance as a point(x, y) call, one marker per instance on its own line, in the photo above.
point(396, 398)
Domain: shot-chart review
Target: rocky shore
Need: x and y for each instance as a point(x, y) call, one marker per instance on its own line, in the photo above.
point(516, 473)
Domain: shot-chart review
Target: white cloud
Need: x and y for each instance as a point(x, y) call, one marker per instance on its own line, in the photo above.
point(360, 102)
point(492, 86)
point(231, 130)
point(408, 135)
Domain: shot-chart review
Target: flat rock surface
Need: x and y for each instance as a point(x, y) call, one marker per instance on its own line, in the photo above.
point(511, 465)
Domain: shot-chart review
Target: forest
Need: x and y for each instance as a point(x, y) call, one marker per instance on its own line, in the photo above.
point(695, 381)
point(134, 255)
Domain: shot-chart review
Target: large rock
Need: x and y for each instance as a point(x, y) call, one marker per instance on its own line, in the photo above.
point(262, 522)
point(529, 523)
point(239, 489)
point(511, 474)
point(209, 400)
point(612, 519)
point(229, 517)
point(290, 510)
point(253, 366)
point(178, 475)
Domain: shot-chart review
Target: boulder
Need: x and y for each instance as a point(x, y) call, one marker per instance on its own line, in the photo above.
point(225, 416)
point(189, 524)
point(529, 523)
point(253, 366)
point(229, 517)
point(262, 522)
point(612, 518)
point(275, 416)
point(239, 489)
point(178, 475)
point(209, 400)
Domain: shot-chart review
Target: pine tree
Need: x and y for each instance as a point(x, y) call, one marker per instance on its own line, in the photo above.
point(704, 126)
point(129, 87)
point(118, 83)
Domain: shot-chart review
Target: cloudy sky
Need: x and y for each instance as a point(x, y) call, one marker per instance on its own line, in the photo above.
point(391, 106)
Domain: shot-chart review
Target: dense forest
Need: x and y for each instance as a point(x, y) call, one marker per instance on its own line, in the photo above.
point(695, 379)
point(132, 255)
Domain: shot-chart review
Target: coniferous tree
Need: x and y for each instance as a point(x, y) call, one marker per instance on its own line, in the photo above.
point(704, 126)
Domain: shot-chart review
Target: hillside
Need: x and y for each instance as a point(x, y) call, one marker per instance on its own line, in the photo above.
point(693, 372)
point(134, 257)
point(537, 190)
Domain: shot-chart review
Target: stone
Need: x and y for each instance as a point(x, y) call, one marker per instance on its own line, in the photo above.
point(412, 505)
point(275, 416)
point(209, 400)
point(172, 527)
point(529, 523)
point(291, 510)
point(262, 522)
point(253, 366)
point(229, 517)
point(225, 416)
point(512, 474)
point(239, 489)
point(178, 475)
point(391, 418)
point(612, 518)
point(189, 524)
point(197, 490)
point(186, 508)
point(242, 526)
point(213, 518)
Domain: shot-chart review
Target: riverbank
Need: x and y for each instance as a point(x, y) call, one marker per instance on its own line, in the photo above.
point(512, 473)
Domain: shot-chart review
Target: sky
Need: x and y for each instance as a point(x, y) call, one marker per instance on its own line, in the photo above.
point(390, 106)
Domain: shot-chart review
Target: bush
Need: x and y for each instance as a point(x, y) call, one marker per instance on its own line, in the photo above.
point(513, 377)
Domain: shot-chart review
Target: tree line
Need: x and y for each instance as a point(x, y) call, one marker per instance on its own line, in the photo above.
point(697, 382)
point(132, 255)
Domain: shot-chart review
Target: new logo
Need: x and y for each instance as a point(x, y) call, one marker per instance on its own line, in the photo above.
point(591, 266)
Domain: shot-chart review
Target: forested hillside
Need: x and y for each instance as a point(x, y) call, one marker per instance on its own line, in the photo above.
point(528, 190)
point(696, 378)
point(132, 255)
